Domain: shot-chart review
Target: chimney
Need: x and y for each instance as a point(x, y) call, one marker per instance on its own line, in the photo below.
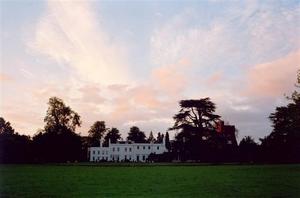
point(220, 126)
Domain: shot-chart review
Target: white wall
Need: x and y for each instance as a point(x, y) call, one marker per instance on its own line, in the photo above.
point(127, 151)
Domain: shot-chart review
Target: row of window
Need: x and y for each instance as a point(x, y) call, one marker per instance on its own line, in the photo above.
point(125, 149)
point(138, 147)
point(94, 152)
point(116, 158)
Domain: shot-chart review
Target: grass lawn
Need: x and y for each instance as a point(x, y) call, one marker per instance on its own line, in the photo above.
point(150, 181)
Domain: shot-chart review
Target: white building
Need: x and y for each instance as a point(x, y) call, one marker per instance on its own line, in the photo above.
point(126, 151)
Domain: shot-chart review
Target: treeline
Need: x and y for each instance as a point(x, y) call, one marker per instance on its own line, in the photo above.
point(200, 136)
point(58, 142)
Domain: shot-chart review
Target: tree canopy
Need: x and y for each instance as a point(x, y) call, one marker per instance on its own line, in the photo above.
point(283, 143)
point(113, 135)
point(151, 137)
point(58, 142)
point(136, 135)
point(97, 132)
point(60, 117)
point(5, 127)
point(196, 115)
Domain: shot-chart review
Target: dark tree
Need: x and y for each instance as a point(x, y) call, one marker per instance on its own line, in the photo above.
point(159, 138)
point(196, 123)
point(248, 149)
point(58, 142)
point(196, 114)
point(60, 117)
point(136, 135)
point(5, 127)
point(283, 144)
point(167, 141)
point(96, 132)
point(151, 137)
point(113, 135)
point(14, 148)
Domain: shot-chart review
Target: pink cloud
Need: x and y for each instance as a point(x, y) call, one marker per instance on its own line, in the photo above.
point(274, 78)
point(146, 96)
point(214, 78)
point(171, 79)
point(5, 78)
point(91, 94)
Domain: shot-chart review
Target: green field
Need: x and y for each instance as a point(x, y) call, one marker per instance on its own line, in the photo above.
point(149, 181)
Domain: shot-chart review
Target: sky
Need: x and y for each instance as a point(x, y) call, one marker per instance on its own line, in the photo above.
point(131, 62)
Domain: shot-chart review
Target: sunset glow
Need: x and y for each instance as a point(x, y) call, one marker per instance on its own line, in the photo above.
point(129, 63)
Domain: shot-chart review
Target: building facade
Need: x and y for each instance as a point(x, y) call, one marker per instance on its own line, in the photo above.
point(125, 151)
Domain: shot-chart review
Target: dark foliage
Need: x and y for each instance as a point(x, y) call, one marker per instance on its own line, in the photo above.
point(201, 137)
point(248, 150)
point(97, 132)
point(167, 141)
point(14, 148)
point(113, 135)
point(136, 135)
point(57, 147)
point(58, 142)
point(197, 138)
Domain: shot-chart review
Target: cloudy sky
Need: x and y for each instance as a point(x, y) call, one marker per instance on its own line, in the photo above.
point(130, 62)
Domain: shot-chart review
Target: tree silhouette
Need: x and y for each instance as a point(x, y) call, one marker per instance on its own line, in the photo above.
point(14, 148)
point(167, 141)
point(96, 132)
point(248, 149)
point(151, 137)
point(58, 142)
point(113, 135)
point(159, 138)
point(60, 117)
point(197, 115)
point(5, 127)
point(196, 123)
point(136, 135)
point(283, 144)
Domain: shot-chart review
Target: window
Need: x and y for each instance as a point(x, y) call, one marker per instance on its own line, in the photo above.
point(129, 149)
point(125, 149)
point(149, 147)
point(93, 152)
point(102, 152)
point(137, 147)
point(158, 148)
point(118, 149)
point(113, 149)
point(144, 147)
point(98, 152)
point(93, 158)
point(144, 157)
